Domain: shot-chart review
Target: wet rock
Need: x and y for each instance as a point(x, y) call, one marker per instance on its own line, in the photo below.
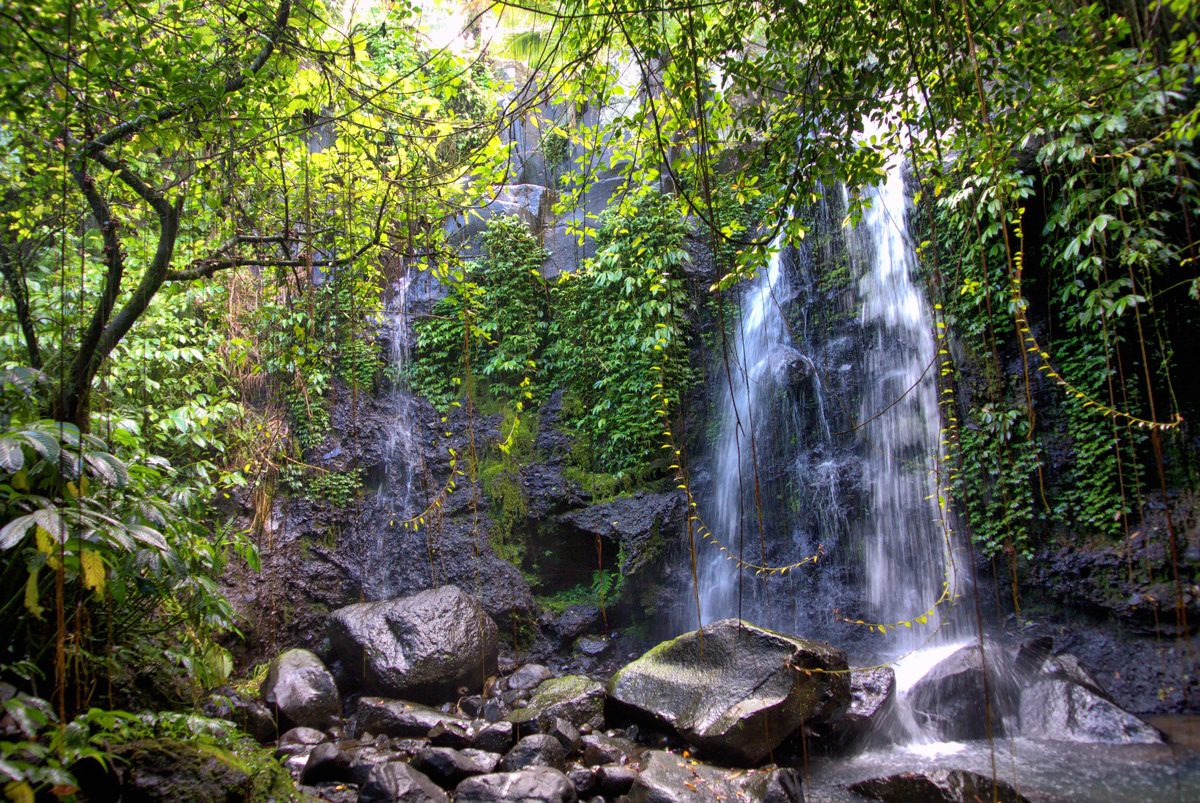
point(955, 695)
point(397, 782)
point(937, 786)
point(615, 779)
point(367, 757)
point(1031, 654)
point(531, 785)
point(601, 749)
point(872, 692)
point(577, 621)
point(448, 767)
point(583, 779)
point(327, 762)
point(741, 693)
point(250, 715)
point(528, 677)
point(638, 524)
point(1061, 710)
point(423, 647)
point(670, 778)
point(1067, 667)
point(299, 740)
point(451, 734)
point(471, 705)
point(378, 715)
point(566, 733)
point(494, 737)
point(575, 698)
point(301, 690)
point(494, 709)
point(593, 646)
point(538, 749)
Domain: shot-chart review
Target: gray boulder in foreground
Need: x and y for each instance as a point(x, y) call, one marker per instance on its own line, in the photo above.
point(301, 690)
point(734, 690)
point(424, 647)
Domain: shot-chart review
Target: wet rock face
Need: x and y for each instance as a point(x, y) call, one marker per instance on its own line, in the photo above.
point(738, 693)
point(301, 690)
point(670, 778)
point(964, 691)
point(938, 786)
point(424, 647)
point(1061, 710)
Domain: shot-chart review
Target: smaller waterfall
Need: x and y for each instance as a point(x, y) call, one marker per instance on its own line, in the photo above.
point(754, 373)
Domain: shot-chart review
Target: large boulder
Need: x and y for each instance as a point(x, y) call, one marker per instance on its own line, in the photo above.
point(937, 786)
point(669, 778)
point(960, 694)
point(736, 690)
point(423, 647)
point(301, 690)
point(1062, 710)
point(575, 698)
point(531, 785)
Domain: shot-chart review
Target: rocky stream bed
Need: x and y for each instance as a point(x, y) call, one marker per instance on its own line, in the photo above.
point(418, 700)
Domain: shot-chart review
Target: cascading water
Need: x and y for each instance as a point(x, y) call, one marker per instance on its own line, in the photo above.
point(829, 435)
point(908, 555)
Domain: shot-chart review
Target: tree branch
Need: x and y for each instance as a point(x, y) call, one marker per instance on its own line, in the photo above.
point(233, 84)
point(21, 304)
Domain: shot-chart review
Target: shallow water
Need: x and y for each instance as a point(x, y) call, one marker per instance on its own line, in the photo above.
point(1042, 771)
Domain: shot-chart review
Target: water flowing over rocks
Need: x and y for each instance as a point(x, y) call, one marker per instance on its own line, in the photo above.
point(423, 647)
point(972, 690)
point(734, 689)
point(301, 690)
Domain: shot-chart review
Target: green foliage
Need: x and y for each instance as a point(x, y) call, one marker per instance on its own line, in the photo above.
point(42, 761)
point(499, 305)
point(996, 484)
point(123, 534)
point(500, 476)
point(619, 320)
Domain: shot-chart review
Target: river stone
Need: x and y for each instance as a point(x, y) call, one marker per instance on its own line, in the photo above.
point(531, 785)
point(937, 786)
point(380, 716)
point(952, 697)
point(539, 749)
point(327, 762)
point(740, 693)
point(397, 782)
point(669, 778)
point(301, 690)
point(528, 677)
point(577, 699)
point(424, 647)
point(1060, 710)
point(448, 767)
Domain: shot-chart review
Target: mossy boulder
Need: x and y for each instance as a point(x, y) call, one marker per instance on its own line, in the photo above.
point(735, 690)
point(575, 698)
point(153, 770)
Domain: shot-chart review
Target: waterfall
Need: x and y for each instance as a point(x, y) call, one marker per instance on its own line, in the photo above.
point(907, 557)
point(754, 361)
point(827, 431)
